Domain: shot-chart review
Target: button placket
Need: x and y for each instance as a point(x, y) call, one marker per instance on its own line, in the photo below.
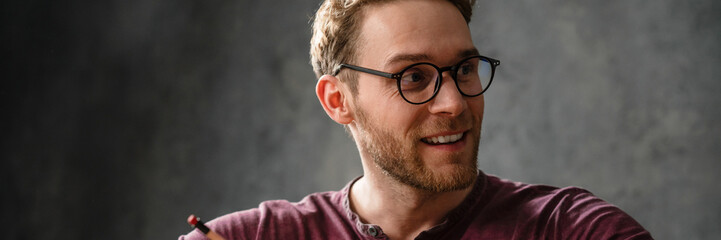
point(373, 231)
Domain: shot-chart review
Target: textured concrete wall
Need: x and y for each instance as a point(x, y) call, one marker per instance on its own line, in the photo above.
point(120, 118)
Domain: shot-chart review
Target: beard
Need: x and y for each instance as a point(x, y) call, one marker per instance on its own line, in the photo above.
point(400, 159)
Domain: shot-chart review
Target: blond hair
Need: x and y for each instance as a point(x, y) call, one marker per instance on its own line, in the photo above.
point(335, 34)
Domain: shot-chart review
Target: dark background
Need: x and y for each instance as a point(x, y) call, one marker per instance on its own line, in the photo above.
point(120, 118)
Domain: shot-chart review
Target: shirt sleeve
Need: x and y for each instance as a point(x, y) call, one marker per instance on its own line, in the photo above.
point(237, 225)
point(589, 217)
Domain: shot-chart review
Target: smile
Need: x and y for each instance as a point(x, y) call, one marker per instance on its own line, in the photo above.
point(443, 139)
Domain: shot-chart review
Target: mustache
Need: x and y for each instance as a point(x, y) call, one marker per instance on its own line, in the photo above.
point(461, 122)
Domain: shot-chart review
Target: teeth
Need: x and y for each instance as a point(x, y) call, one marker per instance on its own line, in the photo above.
point(444, 139)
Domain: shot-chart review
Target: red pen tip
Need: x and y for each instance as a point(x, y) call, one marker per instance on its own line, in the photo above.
point(192, 220)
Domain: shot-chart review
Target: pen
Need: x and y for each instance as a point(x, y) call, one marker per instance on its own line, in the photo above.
point(196, 223)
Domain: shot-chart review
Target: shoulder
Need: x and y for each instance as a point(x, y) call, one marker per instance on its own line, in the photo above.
point(538, 195)
point(569, 212)
point(278, 219)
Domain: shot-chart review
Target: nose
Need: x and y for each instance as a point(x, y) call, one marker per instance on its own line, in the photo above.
point(448, 101)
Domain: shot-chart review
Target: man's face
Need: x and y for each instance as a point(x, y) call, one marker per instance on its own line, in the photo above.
point(397, 135)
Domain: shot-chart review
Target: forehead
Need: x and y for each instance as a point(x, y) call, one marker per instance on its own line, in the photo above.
point(425, 30)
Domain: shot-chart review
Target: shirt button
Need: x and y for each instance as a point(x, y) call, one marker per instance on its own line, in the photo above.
point(372, 231)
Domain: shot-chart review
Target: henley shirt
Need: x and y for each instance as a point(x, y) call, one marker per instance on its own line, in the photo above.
point(494, 209)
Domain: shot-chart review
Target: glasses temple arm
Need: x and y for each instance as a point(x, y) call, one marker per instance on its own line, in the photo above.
point(366, 70)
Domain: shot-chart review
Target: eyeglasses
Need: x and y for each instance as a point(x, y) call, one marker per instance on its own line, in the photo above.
point(420, 82)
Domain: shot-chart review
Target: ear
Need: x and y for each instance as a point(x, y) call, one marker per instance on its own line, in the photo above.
point(333, 99)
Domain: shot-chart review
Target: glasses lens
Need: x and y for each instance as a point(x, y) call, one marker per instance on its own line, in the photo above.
point(474, 75)
point(418, 82)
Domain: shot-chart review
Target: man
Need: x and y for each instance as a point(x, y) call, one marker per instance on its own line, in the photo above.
point(406, 81)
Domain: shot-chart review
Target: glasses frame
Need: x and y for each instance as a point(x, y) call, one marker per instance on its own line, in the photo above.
point(453, 69)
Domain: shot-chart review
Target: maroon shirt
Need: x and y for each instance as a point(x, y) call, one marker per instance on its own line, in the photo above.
point(494, 209)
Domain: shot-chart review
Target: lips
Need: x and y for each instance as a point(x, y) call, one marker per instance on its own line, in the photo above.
point(445, 139)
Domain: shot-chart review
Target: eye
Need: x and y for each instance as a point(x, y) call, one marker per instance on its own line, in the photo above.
point(466, 68)
point(417, 78)
point(413, 77)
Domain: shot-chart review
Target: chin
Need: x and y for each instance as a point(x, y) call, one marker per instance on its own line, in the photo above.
point(453, 173)
point(447, 177)
point(455, 177)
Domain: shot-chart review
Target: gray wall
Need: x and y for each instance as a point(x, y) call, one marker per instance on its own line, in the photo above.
point(120, 118)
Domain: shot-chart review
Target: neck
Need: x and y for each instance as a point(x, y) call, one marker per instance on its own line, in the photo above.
point(400, 210)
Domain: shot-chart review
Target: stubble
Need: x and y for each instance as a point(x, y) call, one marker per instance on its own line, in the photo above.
point(400, 159)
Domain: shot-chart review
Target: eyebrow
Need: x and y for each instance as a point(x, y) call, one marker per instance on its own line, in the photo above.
point(408, 58)
point(426, 57)
point(468, 53)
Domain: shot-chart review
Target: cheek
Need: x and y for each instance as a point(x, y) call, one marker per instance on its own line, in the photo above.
point(390, 112)
point(476, 108)
point(400, 119)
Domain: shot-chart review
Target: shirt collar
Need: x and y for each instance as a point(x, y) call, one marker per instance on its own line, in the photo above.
point(455, 215)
